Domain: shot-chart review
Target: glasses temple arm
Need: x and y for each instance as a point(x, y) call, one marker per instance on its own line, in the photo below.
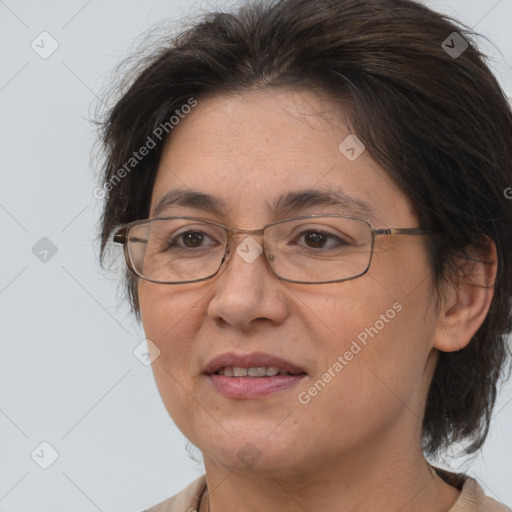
point(402, 231)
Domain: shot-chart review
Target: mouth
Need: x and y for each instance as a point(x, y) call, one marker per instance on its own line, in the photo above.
point(256, 365)
point(255, 371)
point(252, 375)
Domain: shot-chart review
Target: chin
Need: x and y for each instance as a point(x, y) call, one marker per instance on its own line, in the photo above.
point(253, 453)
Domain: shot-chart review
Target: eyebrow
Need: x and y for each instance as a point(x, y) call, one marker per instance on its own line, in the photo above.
point(288, 203)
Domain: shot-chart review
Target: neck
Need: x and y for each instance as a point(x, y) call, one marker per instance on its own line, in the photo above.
point(368, 480)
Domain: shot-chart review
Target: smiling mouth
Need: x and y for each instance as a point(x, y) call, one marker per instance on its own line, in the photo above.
point(256, 371)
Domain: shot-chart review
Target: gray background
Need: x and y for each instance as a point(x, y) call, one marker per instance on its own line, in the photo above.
point(68, 375)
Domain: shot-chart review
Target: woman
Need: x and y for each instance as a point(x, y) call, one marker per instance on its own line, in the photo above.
point(311, 198)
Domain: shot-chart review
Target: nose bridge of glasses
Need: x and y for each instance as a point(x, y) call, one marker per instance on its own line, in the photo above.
point(239, 231)
point(249, 245)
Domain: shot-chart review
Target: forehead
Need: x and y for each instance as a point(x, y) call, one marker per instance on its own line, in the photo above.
point(250, 150)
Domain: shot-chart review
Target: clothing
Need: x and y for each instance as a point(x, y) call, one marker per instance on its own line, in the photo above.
point(471, 499)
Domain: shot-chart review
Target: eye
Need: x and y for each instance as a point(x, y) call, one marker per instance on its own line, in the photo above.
point(318, 239)
point(189, 239)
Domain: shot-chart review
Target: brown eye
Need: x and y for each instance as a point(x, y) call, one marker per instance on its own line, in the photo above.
point(192, 238)
point(315, 239)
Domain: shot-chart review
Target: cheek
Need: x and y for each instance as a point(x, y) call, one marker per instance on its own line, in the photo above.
point(373, 355)
point(171, 321)
point(371, 372)
point(170, 318)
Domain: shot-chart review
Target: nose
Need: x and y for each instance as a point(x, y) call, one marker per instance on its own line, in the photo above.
point(247, 291)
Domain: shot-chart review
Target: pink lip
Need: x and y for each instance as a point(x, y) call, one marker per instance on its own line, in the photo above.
point(254, 359)
point(253, 387)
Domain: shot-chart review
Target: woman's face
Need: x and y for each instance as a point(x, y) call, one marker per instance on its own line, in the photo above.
point(364, 345)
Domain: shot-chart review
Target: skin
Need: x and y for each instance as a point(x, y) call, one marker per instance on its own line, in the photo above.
point(357, 444)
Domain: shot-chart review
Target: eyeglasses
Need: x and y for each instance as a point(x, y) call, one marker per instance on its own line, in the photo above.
point(311, 249)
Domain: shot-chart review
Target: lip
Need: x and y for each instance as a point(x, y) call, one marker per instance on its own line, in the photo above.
point(252, 387)
point(254, 359)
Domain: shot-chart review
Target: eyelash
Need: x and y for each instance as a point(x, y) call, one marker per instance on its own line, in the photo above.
point(176, 238)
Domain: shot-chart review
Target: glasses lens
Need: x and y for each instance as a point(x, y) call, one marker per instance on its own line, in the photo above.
point(319, 249)
point(310, 250)
point(176, 250)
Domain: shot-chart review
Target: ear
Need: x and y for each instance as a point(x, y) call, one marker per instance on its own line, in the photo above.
point(466, 300)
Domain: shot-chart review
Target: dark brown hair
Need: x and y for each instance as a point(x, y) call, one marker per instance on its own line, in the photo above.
point(437, 122)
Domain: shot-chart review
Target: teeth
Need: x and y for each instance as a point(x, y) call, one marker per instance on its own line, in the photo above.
point(257, 371)
point(240, 372)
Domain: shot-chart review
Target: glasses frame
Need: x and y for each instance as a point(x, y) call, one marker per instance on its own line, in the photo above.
point(121, 237)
